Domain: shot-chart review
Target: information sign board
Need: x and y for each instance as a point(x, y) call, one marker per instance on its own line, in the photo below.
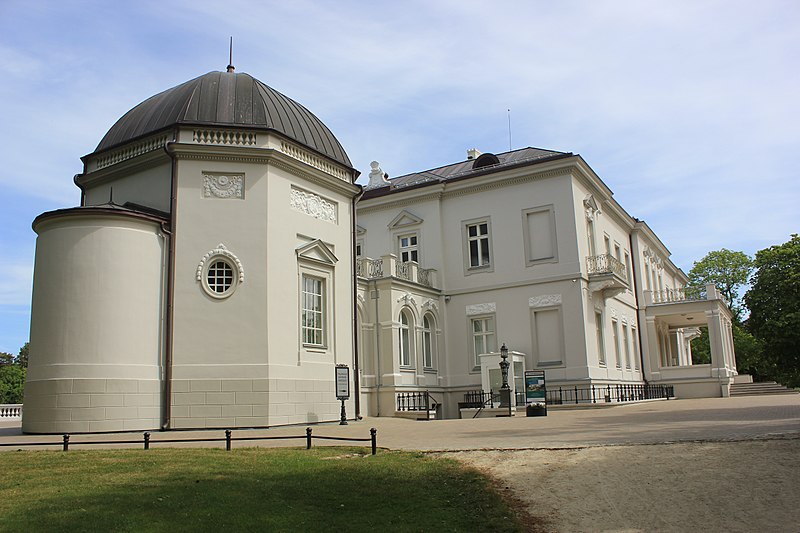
point(342, 382)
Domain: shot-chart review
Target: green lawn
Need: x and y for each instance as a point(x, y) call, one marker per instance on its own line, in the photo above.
point(247, 489)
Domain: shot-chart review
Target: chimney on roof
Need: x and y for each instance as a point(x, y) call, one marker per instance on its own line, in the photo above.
point(473, 153)
point(377, 178)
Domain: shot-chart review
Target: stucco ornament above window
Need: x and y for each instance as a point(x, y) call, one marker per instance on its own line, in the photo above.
point(216, 185)
point(481, 309)
point(220, 272)
point(546, 300)
point(312, 205)
point(590, 206)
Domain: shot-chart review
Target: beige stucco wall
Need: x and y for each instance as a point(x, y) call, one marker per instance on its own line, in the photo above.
point(149, 186)
point(239, 360)
point(96, 323)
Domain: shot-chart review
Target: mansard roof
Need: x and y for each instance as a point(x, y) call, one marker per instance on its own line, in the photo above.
point(226, 99)
point(468, 168)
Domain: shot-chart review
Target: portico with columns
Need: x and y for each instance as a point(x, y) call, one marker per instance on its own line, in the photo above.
point(672, 317)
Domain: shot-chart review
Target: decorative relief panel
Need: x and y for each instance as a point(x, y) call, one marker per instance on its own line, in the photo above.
point(312, 205)
point(216, 185)
point(481, 309)
point(546, 300)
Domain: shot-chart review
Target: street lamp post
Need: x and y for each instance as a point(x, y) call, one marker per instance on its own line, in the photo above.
point(505, 390)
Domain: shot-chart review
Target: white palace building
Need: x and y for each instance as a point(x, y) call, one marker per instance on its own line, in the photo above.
point(223, 262)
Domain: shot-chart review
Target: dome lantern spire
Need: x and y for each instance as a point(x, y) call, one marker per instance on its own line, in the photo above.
point(230, 68)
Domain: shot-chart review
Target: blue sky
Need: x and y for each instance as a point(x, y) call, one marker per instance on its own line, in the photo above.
point(688, 110)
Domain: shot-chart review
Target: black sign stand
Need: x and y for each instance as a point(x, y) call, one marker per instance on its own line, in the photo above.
point(343, 389)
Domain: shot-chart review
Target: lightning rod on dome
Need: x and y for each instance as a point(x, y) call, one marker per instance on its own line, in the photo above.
point(509, 129)
point(230, 57)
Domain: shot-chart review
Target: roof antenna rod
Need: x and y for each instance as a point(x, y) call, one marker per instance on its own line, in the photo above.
point(230, 57)
point(509, 130)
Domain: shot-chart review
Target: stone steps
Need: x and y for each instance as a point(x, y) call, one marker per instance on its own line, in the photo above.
point(756, 389)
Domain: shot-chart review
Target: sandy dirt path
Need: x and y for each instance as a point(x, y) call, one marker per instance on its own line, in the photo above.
point(699, 486)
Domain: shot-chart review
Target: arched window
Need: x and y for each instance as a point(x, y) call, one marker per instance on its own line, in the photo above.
point(405, 338)
point(427, 341)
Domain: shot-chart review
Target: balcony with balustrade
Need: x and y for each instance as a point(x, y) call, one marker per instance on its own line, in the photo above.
point(607, 274)
point(388, 266)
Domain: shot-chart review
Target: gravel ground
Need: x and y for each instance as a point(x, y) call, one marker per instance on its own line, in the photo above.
point(750, 485)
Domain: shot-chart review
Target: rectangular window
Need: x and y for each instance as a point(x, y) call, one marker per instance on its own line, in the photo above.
point(617, 252)
point(405, 339)
point(360, 248)
point(601, 345)
point(483, 338)
point(478, 244)
point(628, 269)
point(427, 343)
point(313, 311)
point(539, 228)
point(590, 236)
point(635, 341)
point(625, 342)
point(615, 333)
point(408, 248)
point(607, 244)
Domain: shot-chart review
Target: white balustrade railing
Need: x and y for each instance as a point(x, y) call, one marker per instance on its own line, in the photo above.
point(388, 265)
point(606, 264)
point(685, 294)
point(10, 410)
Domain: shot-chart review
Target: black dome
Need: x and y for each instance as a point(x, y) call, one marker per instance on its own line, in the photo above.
point(230, 100)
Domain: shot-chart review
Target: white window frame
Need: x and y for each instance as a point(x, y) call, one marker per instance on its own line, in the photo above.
point(359, 248)
point(405, 253)
point(486, 334)
point(428, 331)
point(467, 241)
point(635, 341)
point(314, 336)
point(208, 268)
point(617, 348)
point(405, 333)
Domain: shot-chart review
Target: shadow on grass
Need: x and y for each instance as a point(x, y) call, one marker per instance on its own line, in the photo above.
point(247, 490)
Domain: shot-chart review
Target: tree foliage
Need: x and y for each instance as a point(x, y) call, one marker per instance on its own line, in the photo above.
point(12, 375)
point(12, 383)
point(22, 358)
point(728, 270)
point(774, 304)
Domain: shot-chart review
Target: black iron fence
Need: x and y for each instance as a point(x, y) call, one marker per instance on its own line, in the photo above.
point(146, 441)
point(477, 399)
point(416, 401)
point(575, 395)
point(609, 393)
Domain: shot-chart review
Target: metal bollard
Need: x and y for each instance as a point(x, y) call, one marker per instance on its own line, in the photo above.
point(373, 435)
point(308, 438)
point(146, 440)
point(228, 440)
point(66, 442)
